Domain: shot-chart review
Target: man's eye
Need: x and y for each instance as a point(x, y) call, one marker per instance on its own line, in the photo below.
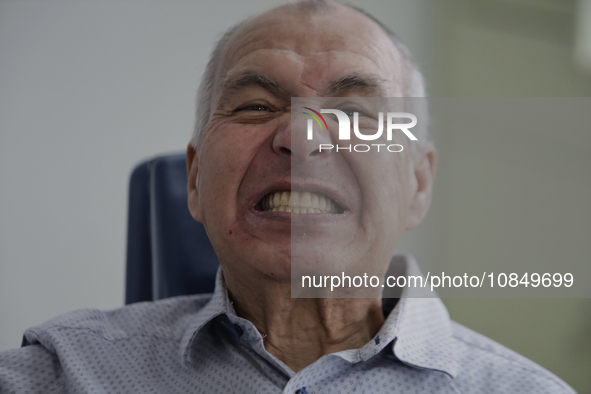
point(350, 112)
point(256, 107)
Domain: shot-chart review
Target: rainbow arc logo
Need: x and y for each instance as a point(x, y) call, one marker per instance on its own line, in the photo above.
point(316, 119)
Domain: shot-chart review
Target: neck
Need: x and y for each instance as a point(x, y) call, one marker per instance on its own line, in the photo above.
point(298, 331)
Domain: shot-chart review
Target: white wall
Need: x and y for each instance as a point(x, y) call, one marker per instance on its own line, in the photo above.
point(88, 89)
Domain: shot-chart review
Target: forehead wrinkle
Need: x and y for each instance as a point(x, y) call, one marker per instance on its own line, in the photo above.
point(377, 77)
point(227, 69)
point(367, 82)
point(247, 78)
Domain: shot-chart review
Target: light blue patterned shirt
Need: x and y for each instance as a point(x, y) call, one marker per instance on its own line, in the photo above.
point(197, 344)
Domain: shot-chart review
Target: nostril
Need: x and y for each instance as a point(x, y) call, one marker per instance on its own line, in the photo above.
point(285, 150)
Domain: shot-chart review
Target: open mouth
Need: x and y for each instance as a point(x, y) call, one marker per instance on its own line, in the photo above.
point(298, 202)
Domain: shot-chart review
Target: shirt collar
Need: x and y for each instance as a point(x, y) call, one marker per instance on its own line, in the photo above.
point(423, 328)
point(423, 335)
point(418, 327)
point(219, 304)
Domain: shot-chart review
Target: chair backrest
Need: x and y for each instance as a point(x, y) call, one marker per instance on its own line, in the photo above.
point(168, 252)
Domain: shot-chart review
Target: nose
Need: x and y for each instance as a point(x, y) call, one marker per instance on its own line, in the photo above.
point(293, 139)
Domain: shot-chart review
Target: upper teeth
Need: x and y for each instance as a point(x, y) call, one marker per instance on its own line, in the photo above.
point(296, 202)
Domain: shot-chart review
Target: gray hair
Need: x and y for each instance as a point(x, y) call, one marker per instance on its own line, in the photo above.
point(414, 85)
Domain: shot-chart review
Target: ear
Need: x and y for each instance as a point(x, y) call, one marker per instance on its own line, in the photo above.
point(424, 166)
point(192, 170)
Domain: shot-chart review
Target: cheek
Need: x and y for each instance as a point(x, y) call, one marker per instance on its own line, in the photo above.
point(383, 179)
point(221, 163)
point(226, 154)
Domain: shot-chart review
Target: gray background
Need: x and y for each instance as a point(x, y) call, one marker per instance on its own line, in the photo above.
point(88, 89)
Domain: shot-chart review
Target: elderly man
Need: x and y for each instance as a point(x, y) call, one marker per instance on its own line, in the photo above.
point(251, 336)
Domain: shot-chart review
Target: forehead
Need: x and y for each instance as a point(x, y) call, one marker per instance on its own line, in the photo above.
point(312, 47)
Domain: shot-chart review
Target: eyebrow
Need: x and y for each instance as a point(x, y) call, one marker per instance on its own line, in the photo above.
point(250, 78)
point(369, 84)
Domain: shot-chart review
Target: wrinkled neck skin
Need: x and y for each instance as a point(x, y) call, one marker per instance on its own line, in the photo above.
point(298, 331)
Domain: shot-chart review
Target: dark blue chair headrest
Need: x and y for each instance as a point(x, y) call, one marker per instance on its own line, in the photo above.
point(168, 252)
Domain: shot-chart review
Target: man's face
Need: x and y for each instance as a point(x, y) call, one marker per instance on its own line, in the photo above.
point(250, 155)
